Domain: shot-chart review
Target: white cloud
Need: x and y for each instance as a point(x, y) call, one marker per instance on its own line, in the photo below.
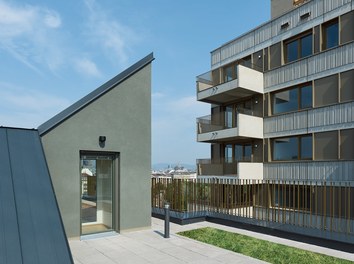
point(113, 37)
point(27, 108)
point(157, 95)
point(52, 19)
point(29, 33)
point(87, 67)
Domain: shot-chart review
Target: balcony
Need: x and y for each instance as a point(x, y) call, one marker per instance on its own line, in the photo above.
point(212, 129)
point(248, 82)
point(239, 169)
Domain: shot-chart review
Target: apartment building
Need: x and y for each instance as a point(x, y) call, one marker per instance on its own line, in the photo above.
point(282, 97)
point(281, 126)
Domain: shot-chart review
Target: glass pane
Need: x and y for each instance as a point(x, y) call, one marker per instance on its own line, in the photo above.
point(248, 153)
point(285, 149)
point(306, 46)
point(306, 97)
point(96, 199)
point(331, 35)
point(228, 117)
point(326, 145)
point(228, 153)
point(247, 62)
point(306, 147)
point(292, 51)
point(238, 152)
point(228, 74)
point(346, 144)
point(285, 101)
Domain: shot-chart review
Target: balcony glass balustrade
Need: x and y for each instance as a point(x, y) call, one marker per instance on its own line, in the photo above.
point(222, 120)
point(232, 83)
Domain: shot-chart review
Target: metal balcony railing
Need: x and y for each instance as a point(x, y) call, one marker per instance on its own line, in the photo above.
point(323, 206)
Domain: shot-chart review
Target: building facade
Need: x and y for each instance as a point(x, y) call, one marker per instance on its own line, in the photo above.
point(282, 98)
point(282, 119)
point(98, 152)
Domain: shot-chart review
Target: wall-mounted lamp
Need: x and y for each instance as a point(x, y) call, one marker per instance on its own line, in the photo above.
point(255, 146)
point(102, 139)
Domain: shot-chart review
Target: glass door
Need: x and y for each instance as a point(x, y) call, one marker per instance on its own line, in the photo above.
point(96, 193)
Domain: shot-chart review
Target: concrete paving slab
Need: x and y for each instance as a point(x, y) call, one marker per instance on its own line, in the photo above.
point(149, 246)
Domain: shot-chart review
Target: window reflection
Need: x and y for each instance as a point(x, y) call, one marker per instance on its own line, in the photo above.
point(292, 99)
point(285, 101)
point(298, 48)
point(230, 72)
point(228, 153)
point(243, 152)
point(292, 49)
point(306, 46)
point(228, 117)
point(306, 147)
point(331, 35)
point(306, 97)
point(285, 149)
point(292, 148)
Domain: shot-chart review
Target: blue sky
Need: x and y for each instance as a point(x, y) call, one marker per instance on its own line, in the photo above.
point(55, 52)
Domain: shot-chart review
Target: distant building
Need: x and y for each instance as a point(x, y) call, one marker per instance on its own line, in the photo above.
point(98, 152)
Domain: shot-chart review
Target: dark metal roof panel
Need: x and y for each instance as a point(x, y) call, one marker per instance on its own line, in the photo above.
point(10, 248)
point(74, 108)
point(41, 233)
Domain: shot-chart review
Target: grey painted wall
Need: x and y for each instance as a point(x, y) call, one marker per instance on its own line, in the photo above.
point(123, 115)
point(279, 7)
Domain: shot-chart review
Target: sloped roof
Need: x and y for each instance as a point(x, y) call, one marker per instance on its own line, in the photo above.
point(31, 230)
point(74, 108)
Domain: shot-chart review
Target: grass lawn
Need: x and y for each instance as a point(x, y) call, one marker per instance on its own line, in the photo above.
point(257, 248)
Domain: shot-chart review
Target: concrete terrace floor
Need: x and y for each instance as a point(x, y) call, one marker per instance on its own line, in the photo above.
point(149, 246)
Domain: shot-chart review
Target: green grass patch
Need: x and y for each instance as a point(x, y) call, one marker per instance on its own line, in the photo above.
point(257, 248)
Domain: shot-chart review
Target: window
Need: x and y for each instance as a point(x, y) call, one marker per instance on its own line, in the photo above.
point(228, 116)
point(292, 99)
point(298, 48)
point(330, 34)
point(346, 144)
point(346, 86)
point(286, 101)
point(285, 149)
point(326, 90)
point(230, 72)
point(243, 152)
point(326, 145)
point(292, 148)
point(306, 147)
point(306, 97)
point(228, 154)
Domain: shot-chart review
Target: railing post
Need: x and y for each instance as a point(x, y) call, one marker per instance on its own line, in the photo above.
point(167, 220)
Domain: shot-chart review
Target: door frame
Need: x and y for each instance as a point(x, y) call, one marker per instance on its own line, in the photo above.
point(115, 185)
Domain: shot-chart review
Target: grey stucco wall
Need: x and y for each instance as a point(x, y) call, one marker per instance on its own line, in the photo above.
point(279, 7)
point(123, 115)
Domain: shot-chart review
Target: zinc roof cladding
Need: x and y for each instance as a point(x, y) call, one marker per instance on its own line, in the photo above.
point(86, 100)
point(31, 230)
